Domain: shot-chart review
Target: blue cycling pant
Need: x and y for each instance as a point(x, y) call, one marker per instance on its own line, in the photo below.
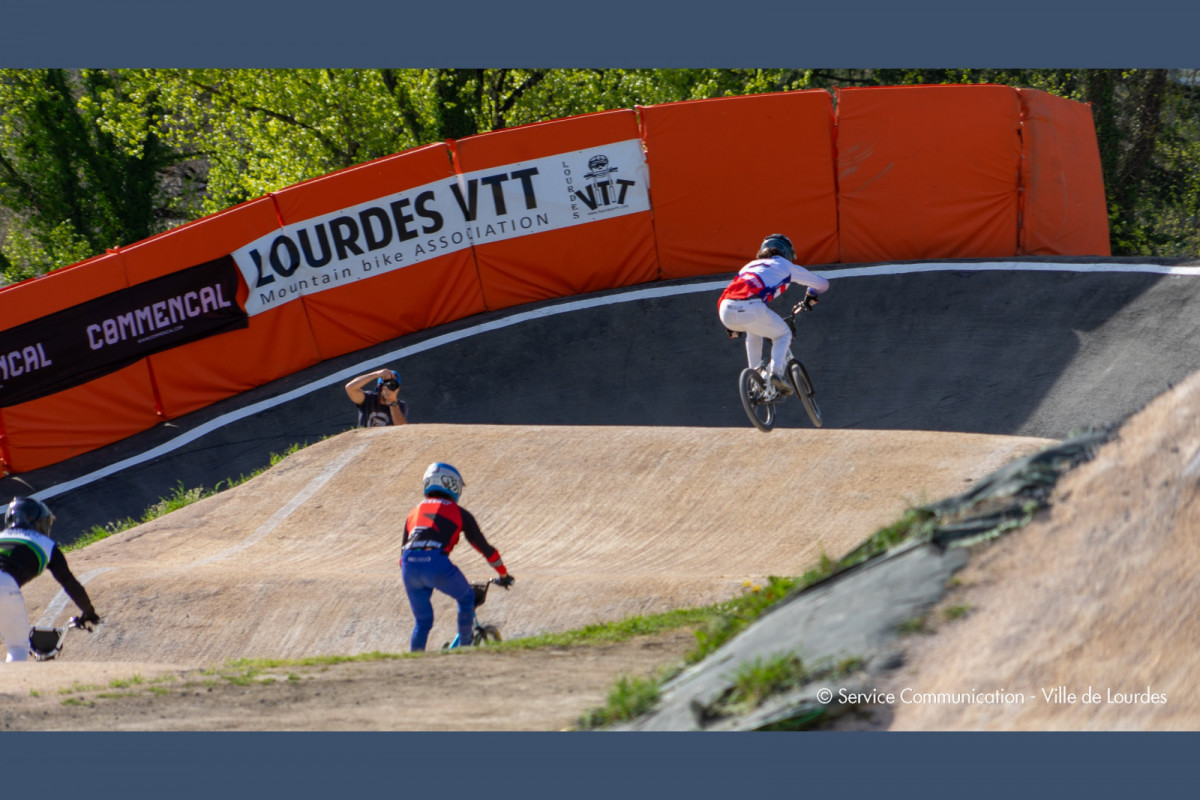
point(424, 571)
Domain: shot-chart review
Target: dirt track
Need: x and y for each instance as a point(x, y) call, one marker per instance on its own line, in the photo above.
point(301, 561)
point(1096, 598)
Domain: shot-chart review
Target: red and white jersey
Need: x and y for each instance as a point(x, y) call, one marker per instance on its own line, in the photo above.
point(767, 278)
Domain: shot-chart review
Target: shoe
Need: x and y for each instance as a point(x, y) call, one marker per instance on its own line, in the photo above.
point(782, 384)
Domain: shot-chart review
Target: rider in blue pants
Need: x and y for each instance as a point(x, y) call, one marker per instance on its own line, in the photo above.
point(431, 531)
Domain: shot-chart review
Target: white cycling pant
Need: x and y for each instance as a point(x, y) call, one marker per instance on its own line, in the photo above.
point(758, 322)
point(14, 619)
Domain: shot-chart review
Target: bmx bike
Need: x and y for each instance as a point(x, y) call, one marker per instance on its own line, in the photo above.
point(46, 643)
point(759, 396)
point(481, 634)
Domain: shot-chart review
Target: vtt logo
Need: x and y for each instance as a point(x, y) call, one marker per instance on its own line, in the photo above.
point(603, 188)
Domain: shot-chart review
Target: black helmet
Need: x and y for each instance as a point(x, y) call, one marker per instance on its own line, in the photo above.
point(781, 244)
point(30, 513)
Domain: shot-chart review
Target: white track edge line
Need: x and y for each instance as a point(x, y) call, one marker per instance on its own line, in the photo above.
point(323, 477)
point(563, 308)
point(60, 600)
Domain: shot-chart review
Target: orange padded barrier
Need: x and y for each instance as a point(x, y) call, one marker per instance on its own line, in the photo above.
point(276, 343)
point(70, 422)
point(928, 172)
point(726, 172)
point(394, 219)
point(1064, 210)
point(572, 195)
point(553, 209)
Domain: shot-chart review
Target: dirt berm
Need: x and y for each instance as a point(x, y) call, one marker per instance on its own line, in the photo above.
point(1082, 619)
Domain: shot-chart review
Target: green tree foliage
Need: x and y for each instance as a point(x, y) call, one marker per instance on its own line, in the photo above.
point(563, 93)
point(261, 130)
point(71, 190)
point(92, 159)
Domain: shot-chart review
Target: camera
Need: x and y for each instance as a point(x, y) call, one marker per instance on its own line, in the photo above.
point(390, 383)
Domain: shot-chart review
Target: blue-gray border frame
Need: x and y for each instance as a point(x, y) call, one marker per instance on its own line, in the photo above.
point(614, 33)
point(618, 33)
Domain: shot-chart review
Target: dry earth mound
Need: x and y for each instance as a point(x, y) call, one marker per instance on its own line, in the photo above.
point(597, 524)
point(1088, 613)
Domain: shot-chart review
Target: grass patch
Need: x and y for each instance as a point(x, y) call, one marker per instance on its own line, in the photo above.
point(125, 683)
point(75, 701)
point(180, 497)
point(277, 457)
point(735, 615)
point(240, 680)
point(957, 611)
point(728, 619)
point(630, 697)
point(257, 665)
point(912, 625)
point(610, 632)
point(915, 524)
point(753, 683)
point(757, 680)
point(247, 677)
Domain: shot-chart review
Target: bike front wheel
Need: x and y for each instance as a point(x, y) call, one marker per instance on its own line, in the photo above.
point(804, 389)
point(753, 387)
point(487, 633)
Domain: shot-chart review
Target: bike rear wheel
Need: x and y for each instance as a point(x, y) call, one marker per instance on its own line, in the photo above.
point(752, 388)
point(804, 389)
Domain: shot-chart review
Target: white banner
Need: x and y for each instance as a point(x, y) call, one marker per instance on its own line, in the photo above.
point(435, 219)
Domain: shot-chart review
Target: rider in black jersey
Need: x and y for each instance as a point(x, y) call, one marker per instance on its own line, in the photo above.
point(26, 549)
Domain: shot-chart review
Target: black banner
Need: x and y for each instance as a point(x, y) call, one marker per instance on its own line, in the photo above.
point(83, 342)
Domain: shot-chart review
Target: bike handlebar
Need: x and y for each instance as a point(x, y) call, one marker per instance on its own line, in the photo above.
point(481, 589)
point(807, 304)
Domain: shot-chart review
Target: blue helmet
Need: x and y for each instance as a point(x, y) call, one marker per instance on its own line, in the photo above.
point(781, 244)
point(443, 479)
point(29, 513)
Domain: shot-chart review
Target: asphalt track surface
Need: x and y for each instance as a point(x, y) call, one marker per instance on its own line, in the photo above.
point(1023, 348)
